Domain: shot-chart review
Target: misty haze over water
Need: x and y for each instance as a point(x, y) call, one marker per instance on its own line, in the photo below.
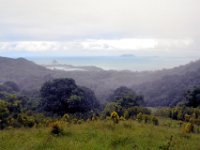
point(124, 62)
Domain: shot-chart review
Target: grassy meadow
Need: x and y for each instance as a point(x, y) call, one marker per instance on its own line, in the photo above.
point(102, 135)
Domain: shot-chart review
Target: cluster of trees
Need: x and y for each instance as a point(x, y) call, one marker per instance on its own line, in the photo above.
point(62, 97)
point(185, 114)
point(192, 98)
point(147, 118)
point(125, 102)
point(13, 106)
point(13, 114)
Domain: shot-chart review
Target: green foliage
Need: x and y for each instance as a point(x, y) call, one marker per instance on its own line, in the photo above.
point(122, 142)
point(169, 144)
point(66, 118)
point(25, 120)
point(9, 112)
point(127, 135)
point(110, 107)
point(126, 98)
point(180, 123)
point(189, 127)
point(57, 128)
point(179, 113)
point(115, 117)
point(126, 114)
point(155, 121)
point(139, 117)
point(62, 96)
point(4, 114)
point(174, 114)
point(187, 117)
point(146, 118)
point(192, 97)
point(133, 111)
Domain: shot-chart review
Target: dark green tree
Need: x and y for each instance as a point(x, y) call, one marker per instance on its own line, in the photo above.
point(61, 96)
point(126, 97)
point(192, 97)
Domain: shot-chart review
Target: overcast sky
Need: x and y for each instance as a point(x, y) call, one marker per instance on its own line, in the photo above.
point(101, 27)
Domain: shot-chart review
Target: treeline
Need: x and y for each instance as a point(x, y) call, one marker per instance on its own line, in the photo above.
point(62, 99)
point(186, 114)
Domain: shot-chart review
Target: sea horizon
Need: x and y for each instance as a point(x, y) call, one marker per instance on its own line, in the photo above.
point(132, 63)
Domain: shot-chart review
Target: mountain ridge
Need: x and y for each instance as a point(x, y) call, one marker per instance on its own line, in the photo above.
point(30, 76)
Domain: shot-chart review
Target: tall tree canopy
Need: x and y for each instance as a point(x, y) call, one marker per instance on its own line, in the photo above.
point(192, 97)
point(126, 97)
point(61, 96)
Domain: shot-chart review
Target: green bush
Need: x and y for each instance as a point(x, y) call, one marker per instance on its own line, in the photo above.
point(180, 123)
point(66, 118)
point(26, 121)
point(187, 117)
point(139, 117)
point(155, 121)
point(57, 128)
point(146, 118)
point(126, 114)
point(115, 117)
point(189, 127)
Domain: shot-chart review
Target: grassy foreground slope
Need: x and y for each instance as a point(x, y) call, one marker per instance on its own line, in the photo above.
point(101, 135)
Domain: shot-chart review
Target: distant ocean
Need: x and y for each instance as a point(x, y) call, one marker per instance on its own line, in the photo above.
point(132, 63)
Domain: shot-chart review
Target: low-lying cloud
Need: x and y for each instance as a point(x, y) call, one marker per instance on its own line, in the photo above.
point(102, 46)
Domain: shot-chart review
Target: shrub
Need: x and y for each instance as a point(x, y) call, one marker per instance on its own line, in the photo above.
point(155, 121)
point(180, 115)
point(26, 121)
point(187, 117)
point(115, 117)
point(146, 118)
point(139, 117)
point(66, 118)
point(57, 128)
point(126, 114)
point(180, 123)
point(189, 127)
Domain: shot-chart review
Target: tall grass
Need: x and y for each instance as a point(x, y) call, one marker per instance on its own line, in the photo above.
point(101, 135)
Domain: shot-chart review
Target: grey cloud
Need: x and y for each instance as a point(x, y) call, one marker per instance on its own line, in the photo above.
point(64, 25)
point(76, 18)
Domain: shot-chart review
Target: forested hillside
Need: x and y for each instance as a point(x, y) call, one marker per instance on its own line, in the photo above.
point(170, 90)
point(160, 88)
